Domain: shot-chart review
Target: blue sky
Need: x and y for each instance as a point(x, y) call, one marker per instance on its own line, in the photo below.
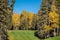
point(28, 5)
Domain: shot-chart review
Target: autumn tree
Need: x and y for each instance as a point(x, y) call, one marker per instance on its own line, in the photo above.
point(58, 7)
point(23, 20)
point(16, 21)
point(34, 22)
point(54, 18)
point(30, 19)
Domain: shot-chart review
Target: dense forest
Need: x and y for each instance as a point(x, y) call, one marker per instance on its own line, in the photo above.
point(24, 21)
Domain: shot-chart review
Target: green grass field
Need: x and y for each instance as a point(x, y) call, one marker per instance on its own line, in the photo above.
point(54, 38)
point(26, 35)
point(22, 35)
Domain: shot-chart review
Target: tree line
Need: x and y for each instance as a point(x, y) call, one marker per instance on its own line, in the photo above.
point(24, 21)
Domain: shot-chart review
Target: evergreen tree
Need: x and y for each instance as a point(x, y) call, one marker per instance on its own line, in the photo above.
point(4, 19)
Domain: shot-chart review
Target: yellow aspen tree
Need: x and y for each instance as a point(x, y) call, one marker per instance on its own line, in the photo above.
point(30, 17)
point(54, 18)
point(24, 20)
point(16, 20)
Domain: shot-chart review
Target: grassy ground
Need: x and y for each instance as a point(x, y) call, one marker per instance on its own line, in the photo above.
point(22, 35)
point(54, 38)
point(26, 35)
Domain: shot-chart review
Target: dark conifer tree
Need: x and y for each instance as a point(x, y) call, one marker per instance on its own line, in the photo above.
point(4, 20)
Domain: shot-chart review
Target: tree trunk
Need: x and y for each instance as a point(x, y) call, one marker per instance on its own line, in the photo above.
point(54, 33)
point(48, 34)
point(57, 32)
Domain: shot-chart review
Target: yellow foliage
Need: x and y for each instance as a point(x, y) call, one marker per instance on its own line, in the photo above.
point(54, 17)
point(53, 8)
point(27, 16)
point(47, 28)
point(30, 17)
point(55, 25)
point(24, 14)
point(16, 19)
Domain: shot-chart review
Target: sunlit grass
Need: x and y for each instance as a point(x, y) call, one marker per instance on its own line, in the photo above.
point(22, 35)
point(26, 35)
